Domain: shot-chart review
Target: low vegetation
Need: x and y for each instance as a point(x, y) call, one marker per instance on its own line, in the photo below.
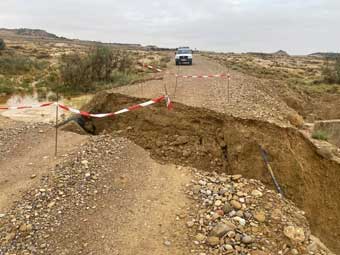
point(72, 72)
point(2, 44)
point(331, 71)
point(19, 64)
point(313, 74)
point(101, 68)
point(320, 135)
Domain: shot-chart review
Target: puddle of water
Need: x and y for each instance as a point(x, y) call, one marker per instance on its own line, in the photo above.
point(44, 114)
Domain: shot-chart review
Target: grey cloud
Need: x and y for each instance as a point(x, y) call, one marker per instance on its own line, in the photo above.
point(224, 25)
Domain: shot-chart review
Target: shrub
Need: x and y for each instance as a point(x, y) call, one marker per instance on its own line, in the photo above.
point(2, 44)
point(17, 64)
point(331, 71)
point(6, 89)
point(84, 73)
point(337, 70)
point(320, 135)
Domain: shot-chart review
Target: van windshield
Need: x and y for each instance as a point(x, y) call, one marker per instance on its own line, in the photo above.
point(183, 51)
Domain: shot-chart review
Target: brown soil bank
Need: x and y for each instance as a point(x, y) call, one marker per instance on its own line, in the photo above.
point(214, 142)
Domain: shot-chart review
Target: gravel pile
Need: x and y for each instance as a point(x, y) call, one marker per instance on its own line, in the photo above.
point(9, 136)
point(239, 216)
point(70, 187)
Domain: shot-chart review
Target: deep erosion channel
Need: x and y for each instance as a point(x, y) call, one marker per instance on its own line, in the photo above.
point(212, 141)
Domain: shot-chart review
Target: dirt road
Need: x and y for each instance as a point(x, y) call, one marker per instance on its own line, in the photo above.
point(247, 98)
point(137, 212)
point(126, 204)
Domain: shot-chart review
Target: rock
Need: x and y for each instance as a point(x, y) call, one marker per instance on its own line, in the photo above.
point(9, 237)
point(247, 239)
point(181, 140)
point(276, 215)
point(190, 224)
point(196, 189)
point(84, 162)
point(200, 237)
point(222, 228)
point(186, 153)
point(236, 177)
point(240, 220)
point(237, 205)
point(294, 252)
point(50, 205)
point(87, 176)
point(228, 247)
point(213, 240)
point(26, 228)
point(220, 212)
point(256, 193)
point(2, 215)
point(295, 234)
point(202, 182)
point(227, 208)
point(218, 203)
point(260, 216)
point(231, 234)
point(167, 243)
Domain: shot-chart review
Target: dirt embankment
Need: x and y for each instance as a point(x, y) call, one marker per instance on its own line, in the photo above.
point(311, 105)
point(214, 142)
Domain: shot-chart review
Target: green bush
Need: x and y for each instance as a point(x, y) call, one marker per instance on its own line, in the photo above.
point(337, 70)
point(102, 65)
point(2, 44)
point(320, 135)
point(331, 71)
point(6, 89)
point(17, 64)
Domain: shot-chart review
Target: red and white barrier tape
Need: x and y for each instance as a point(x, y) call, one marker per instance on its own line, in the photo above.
point(25, 107)
point(97, 115)
point(128, 109)
point(203, 76)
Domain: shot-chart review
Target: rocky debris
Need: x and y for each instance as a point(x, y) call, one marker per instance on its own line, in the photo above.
point(240, 216)
point(9, 136)
point(70, 187)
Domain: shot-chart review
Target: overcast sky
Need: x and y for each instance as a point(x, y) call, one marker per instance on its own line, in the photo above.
point(297, 26)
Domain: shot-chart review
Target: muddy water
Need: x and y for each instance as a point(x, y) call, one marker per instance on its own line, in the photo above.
point(214, 142)
point(44, 114)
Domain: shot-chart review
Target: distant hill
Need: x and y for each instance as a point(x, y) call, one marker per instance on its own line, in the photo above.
point(325, 55)
point(281, 53)
point(42, 34)
point(263, 54)
point(35, 32)
point(29, 32)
